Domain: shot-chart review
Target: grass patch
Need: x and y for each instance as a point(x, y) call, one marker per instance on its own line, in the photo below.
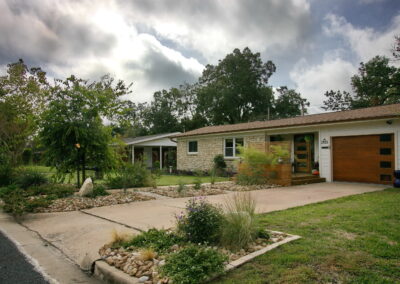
point(353, 239)
point(163, 180)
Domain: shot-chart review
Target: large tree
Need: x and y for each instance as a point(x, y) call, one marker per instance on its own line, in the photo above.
point(289, 103)
point(72, 131)
point(377, 83)
point(236, 89)
point(23, 93)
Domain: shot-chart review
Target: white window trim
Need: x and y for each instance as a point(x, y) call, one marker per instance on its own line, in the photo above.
point(234, 147)
point(192, 153)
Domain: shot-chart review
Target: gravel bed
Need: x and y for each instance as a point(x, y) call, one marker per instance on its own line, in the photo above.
point(206, 189)
point(74, 203)
point(130, 261)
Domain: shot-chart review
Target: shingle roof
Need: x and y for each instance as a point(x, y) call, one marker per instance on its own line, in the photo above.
point(141, 139)
point(386, 111)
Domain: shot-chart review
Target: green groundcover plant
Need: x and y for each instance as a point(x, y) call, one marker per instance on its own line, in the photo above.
point(201, 223)
point(193, 264)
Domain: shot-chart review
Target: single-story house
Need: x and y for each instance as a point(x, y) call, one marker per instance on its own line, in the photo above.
point(158, 149)
point(360, 145)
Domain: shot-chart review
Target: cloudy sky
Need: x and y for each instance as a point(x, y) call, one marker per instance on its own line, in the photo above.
point(316, 45)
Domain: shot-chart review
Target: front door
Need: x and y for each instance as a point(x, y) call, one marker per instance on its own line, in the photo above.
point(303, 145)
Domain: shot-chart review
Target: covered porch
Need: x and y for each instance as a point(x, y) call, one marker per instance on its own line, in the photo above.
point(155, 151)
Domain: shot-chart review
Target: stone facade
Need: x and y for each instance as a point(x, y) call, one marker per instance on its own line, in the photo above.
point(207, 148)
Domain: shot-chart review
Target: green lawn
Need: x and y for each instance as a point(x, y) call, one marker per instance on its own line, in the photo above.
point(353, 239)
point(163, 180)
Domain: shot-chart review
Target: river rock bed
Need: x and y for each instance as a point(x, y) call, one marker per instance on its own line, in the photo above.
point(129, 259)
point(206, 189)
point(75, 202)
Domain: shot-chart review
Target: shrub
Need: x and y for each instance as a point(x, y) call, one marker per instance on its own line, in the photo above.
point(147, 254)
point(129, 175)
point(181, 187)
point(27, 178)
point(98, 190)
point(18, 202)
point(52, 191)
point(197, 180)
point(202, 221)
point(118, 238)
point(254, 165)
point(219, 164)
point(159, 240)
point(213, 175)
point(193, 264)
point(239, 227)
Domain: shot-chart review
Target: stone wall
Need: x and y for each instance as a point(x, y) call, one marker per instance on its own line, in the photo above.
point(208, 148)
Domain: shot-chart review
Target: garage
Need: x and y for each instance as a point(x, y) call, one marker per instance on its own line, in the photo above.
point(366, 158)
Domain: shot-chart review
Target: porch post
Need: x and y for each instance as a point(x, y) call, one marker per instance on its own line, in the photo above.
point(161, 157)
point(133, 154)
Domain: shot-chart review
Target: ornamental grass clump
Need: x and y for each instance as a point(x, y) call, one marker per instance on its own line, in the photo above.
point(255, 166)
point(240, 226)
point(193, 264)
point(201, 223)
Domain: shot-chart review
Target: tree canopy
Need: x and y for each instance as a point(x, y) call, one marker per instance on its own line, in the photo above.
point(71, 127)
point(377, 83)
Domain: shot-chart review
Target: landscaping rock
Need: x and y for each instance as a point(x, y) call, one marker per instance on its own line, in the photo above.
point(143, 279)
point(87, 188)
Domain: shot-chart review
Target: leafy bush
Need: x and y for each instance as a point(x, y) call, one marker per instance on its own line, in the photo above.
point(6, 170)
point(159, 240)
point(27, 178)
point(202, 221)
point(98, 190)
point(239, 227)
point(181, 187)
point(219, 164)
point(255, 165)
point(129, 175)
point(197, 180)
point(193, 264)
point(19, 201)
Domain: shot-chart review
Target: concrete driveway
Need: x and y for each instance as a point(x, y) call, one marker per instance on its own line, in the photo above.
point(80, 234)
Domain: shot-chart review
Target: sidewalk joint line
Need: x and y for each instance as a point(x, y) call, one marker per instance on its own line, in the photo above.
point(109, 220)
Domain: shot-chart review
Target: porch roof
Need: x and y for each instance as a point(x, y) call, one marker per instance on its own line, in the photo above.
point(152, 140)
point(379, 112)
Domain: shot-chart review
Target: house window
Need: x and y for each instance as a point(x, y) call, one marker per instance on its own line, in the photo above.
point(192, 147)
point(232, 146)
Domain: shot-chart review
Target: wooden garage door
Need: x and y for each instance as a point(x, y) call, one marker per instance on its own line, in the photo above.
point(368, 158)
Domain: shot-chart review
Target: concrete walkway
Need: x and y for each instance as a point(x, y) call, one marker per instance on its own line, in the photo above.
point(79, 235)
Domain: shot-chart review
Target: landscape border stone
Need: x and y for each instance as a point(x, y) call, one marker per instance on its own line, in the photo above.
point(111, 274)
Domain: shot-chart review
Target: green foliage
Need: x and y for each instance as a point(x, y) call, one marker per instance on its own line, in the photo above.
point(240, 226)
point(6, 169)
point(23, 92)
point(71, 127)
point(19, 201)
point(193, 265)
point(219, 163)
point(27, 178)
point(130, 175)
point(375, 84)
point(159, 240)
point(201, 223)
point(197, 180)
point(181, 187)
point(98, 190)
point(253, 167)
point(213, 175)
point(289, 104)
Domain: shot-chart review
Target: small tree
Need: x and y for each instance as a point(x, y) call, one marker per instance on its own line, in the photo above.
point(72, 130)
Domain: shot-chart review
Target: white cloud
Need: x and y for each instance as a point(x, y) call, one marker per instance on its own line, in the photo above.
point(364, 42)
point(313, 81)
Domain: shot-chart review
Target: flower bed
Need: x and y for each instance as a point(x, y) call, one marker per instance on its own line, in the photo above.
point(206, 189)
point(74, 203)
point(189, 255)
point(130, 259)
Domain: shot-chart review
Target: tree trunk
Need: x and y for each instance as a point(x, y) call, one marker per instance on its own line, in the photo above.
point(83, 167)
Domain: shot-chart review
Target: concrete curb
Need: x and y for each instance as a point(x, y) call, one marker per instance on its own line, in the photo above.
point(110, 274)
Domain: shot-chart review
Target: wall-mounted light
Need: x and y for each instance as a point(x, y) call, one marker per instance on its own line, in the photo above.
point(389, 122)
